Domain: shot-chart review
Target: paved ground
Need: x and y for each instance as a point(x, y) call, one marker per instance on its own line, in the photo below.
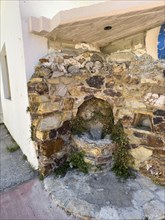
point(95, 196)
point(14, 169)
point(22, 195)
point(29, 201)
point(102, 196)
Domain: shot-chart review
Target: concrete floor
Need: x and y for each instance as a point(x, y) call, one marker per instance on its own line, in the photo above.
point(22, 195)
point(29, 201)
point(14, 169)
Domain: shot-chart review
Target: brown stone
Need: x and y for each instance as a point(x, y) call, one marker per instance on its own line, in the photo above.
point(45, 170)
point(96, 57)
point(43, 72)
point(153, 141)
point(35, 80)
point(65, 128)
point(159, 153)
point(48, 107)
point(41, 88)
point(112, 93)
point(104, 160)
point(51, 147)
point(155, 169)
point(82, 60)
point(95, 81)
point(127, 120)
point(43, 60)
point(160, 128)
point(68, 104)
point(38, 98)
point(89, 90)
point(109, 85)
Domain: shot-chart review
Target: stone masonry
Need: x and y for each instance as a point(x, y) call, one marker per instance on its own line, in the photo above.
point(134, 87)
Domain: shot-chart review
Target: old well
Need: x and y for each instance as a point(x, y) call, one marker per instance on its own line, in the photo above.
point(98, 90)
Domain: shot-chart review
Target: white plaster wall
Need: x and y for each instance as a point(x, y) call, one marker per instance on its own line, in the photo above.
point(1, 112)
point(35, 46)
point(152, 42)
point(14, 111)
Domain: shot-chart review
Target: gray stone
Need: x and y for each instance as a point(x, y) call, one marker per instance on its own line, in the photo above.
point(96, 131)
point(161, 194)
point(154, 210)
point(73, 69)
point(57, 74)
point(142, 196)
point(89, 65)
point(81, 208)
point(103, 196)
point(131, 213)
point(61, 89)
point(145, 183)
point(107, 213)
point(49, 123)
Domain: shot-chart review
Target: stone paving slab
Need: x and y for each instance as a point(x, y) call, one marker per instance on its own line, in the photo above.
point(14, 169)
point(102, 196)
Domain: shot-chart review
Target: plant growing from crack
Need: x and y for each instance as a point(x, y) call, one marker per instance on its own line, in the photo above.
point(122, 158)
point(75, 160)
point(13, 148)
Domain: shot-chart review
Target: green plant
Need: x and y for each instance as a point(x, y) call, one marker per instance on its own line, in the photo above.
point(122, 157)
point(62, 169)
point(13, 148)
point(28, 109)
point(41, 177)
point(24, 157)
point(32, 129)
point(77, 161)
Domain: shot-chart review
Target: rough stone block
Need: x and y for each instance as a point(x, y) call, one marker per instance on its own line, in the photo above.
point(49, 107)
point(48, 148)
point(140, 154)
point(49, 122)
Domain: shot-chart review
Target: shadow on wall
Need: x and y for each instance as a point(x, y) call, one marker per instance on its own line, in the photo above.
point(161, 43)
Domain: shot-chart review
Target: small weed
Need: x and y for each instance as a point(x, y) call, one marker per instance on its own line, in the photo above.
point(32, 129)
point(41, 177)
point(24, 157)
point(62, 169)
point(77, 161)
point(28, 109)
point(13, 148)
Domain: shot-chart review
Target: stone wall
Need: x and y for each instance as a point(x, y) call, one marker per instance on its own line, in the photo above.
point(134, 86)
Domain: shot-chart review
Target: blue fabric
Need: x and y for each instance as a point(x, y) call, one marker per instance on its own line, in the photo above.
point(161, 43)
